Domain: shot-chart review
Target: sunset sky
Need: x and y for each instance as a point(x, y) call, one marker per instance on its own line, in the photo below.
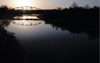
point(48, 4)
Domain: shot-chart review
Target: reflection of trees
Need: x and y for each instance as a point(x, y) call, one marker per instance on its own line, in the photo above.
point(10, 49)
point(90, 28)
point(5, 22)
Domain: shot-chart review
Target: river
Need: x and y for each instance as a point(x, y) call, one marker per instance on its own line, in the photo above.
point(46, 43)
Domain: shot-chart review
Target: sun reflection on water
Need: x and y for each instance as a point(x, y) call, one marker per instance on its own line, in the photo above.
point(26, 17)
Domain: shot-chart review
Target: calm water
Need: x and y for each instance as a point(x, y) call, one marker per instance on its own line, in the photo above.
point(44, 43)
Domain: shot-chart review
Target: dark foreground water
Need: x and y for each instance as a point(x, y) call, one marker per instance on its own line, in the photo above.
point(45, 43)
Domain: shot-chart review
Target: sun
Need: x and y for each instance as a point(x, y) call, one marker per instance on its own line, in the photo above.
point(23, 3)
point(24, 17)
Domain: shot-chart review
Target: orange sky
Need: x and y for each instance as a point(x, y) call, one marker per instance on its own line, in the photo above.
point(47, 4)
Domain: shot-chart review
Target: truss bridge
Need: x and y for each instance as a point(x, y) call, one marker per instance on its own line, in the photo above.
point(26, 8)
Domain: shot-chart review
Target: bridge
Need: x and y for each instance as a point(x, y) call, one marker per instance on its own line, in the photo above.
point(26, 8)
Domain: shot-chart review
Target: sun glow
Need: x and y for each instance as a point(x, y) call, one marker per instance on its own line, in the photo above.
point(24, 17)
point(23, 3)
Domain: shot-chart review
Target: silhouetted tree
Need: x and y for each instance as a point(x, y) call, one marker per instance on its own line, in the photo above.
point(59, 8)
point(4, 7)
point(95, 7)
point(74, 5)
point(86, 7)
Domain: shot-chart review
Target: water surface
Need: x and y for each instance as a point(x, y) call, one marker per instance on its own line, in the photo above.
point(45, 43)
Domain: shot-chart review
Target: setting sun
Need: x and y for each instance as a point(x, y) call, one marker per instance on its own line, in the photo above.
point(23, 3)
point(24, 17)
